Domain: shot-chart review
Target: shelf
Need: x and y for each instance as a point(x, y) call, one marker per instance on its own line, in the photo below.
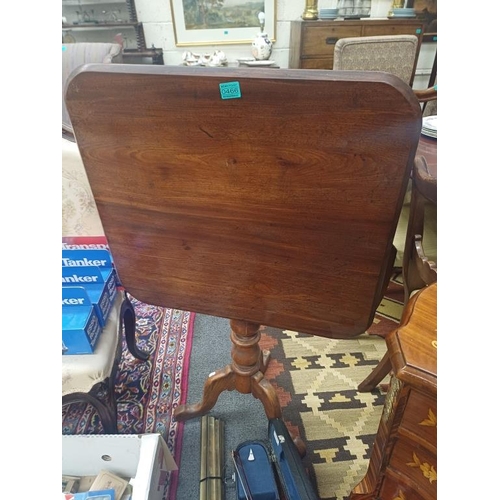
point(78, 3)
point(155, 54)
point(141, 53)
point(98, 25)
point(105, 28)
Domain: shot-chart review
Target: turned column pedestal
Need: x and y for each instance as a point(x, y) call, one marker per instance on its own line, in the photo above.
point(245, 374)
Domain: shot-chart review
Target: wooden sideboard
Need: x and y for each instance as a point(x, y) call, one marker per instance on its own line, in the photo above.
point(312, 42)
point(403, 464)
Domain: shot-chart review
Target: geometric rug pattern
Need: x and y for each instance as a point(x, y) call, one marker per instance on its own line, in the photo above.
point(147, 392)
point(316, 380)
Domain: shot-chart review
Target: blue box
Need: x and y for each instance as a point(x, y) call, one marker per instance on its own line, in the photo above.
point(110, 281)
point(89, 257)
point(80, 323)
point(100, 286)
point(87, 495)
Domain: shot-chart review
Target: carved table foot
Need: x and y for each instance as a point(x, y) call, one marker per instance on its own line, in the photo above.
point(221, 380)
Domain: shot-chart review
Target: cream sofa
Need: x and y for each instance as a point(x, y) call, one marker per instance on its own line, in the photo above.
point(79, 212)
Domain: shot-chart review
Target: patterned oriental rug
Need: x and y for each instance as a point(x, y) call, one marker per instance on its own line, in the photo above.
point(147, 392)
point(316, 379)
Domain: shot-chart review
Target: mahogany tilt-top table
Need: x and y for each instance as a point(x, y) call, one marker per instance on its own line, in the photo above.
point(266, 197)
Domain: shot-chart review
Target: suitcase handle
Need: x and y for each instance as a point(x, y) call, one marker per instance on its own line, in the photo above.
point(240, 471)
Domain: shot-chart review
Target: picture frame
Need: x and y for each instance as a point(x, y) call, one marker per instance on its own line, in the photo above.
point(221, 22)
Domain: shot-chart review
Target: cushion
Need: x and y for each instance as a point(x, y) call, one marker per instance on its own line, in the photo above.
point(393, 54)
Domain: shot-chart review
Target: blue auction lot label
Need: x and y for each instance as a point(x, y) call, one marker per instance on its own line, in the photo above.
point(230, 90)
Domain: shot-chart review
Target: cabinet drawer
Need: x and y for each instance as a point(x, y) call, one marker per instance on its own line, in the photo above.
point(320, 41)
point(375, 30)
point(420, 418)
point(317, 63)
point(417, 464)
point(393, 488)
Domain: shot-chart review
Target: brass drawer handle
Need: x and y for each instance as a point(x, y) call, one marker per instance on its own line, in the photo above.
point(331, 40)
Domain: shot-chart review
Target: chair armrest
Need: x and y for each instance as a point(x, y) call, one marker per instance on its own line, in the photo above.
point(426, 95)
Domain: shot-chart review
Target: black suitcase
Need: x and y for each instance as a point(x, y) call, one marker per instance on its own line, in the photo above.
point(273, 469)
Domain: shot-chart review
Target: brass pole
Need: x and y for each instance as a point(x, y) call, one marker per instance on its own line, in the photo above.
point(203, 458)
point(217, 488)
point(221, 457)
point(212, 458)
point(212, 461)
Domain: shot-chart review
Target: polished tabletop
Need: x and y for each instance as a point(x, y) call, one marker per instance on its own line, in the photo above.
point(207, 208)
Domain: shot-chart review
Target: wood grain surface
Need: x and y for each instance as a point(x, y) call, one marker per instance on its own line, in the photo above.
point(278, 207)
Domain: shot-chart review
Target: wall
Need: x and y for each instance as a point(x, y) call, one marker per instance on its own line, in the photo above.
point(158, 27)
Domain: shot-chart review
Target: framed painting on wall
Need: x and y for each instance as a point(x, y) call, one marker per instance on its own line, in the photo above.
point(218, 22)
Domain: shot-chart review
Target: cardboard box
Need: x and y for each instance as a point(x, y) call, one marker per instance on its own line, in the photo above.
point(142, 458)
point(80, 323)
point(106, 480)
point(85, 258)
point(94, 258)
point(90, 257)
point(87, 245)
point(89, 495)
point(99, 285)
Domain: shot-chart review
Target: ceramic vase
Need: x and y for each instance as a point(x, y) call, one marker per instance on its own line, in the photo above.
point(262, 47)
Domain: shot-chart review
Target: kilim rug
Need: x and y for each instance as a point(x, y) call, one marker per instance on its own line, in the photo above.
point(147, 392)
point(316, 379)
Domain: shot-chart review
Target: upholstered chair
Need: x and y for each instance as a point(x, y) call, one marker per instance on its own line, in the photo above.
point(76, 54)
point(416, 254)
point(395, 54)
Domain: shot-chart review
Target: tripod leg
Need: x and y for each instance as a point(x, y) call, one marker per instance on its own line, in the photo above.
point(265, 392)
point(221, 380)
